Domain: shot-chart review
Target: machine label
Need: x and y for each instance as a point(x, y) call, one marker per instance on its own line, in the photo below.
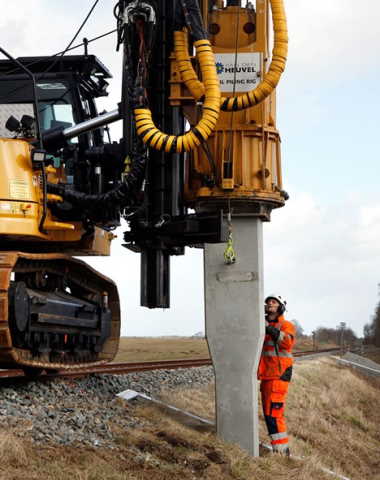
point(241, 70)
point(19, 190)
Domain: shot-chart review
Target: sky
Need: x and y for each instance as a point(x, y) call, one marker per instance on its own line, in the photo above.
point(321, 251)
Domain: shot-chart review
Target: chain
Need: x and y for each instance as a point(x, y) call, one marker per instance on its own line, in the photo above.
point(229, 252)
point(141, 71)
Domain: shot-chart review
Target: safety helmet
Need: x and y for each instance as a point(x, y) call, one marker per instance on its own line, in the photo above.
point(280, 300)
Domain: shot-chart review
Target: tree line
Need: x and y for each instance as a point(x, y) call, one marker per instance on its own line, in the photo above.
point(343, 334)
point(336, 336)
point(372, 329)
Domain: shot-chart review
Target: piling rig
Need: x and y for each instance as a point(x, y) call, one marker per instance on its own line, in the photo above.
point(201, 72)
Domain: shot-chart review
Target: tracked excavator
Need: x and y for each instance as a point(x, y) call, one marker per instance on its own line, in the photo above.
point(199, 148)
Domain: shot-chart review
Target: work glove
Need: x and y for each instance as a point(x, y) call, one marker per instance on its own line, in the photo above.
point(273, 332)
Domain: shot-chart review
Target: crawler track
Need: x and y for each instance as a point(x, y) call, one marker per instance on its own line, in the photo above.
point(123, 368)
point(48, 271)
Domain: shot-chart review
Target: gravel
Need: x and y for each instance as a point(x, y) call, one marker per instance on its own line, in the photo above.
point(84, 410)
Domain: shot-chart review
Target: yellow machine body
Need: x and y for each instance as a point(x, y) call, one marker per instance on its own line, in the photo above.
point(21, 206)
point(245, 146)
point(19, 190)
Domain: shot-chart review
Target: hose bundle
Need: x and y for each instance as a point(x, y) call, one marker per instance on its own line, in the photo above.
point(271, 78)
point(185, 67)
point(121, 195)
point(146, 129)
point(154, 138)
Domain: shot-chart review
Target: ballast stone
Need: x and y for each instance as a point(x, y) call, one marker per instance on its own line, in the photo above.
point(74, 411)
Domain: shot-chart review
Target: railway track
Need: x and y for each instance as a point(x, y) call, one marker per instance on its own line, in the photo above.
point(123, 368)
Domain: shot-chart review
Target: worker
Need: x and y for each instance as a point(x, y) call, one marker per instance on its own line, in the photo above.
point(275, 370)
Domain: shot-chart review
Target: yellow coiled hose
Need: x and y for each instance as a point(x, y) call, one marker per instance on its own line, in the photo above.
point(190, 140)
point(271, 78)
point(185, 67)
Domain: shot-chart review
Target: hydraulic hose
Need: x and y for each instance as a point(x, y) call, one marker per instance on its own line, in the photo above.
point(154, 138)
point(271, 78)
point(185, 67)
point(120, 196)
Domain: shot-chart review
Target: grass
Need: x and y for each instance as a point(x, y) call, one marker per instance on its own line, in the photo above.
point(374, 356)
point(135, 349)
point(333, 420)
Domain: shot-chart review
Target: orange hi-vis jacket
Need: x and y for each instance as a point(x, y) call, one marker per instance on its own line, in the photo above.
point(276, 357)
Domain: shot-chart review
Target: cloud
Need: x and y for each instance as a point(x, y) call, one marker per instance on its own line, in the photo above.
point(23, 36)
point(329, 38)
point(323, 258)
point(60, 21)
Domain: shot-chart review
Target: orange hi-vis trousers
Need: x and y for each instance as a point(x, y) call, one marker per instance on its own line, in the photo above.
point(273, 395)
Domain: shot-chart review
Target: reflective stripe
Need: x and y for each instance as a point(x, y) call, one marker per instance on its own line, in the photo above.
point(281, 336)
point(272, 353)
point(280, 447)
point(279, 436)
point(270, 343)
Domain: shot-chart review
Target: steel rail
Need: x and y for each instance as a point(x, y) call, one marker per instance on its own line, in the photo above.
point(131, 367)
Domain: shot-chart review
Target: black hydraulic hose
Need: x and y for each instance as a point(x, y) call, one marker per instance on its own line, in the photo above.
point(121, 195)
point(188, 15)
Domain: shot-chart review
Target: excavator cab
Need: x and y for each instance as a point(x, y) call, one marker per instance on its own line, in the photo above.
point(66, 89)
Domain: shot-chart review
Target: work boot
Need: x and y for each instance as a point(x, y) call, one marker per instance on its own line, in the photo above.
point(281, 449)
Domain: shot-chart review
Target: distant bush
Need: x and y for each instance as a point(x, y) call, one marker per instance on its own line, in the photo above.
point(335, 335)
point(372, 329)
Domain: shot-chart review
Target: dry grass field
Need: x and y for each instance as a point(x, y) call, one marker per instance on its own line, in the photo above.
point(136, 349)
point(333, 420)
